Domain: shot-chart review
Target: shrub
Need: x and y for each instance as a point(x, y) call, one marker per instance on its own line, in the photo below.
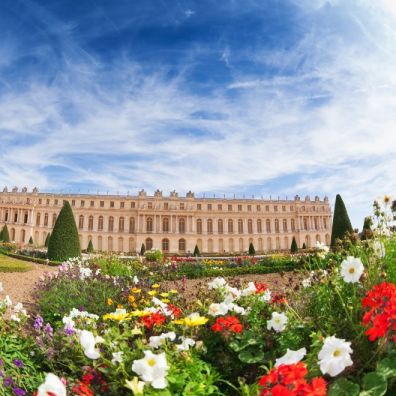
point(252, 250)
point(47, 239)
point(367, 233)
point(4, 234)
point(304, 246)
point(154, 255)
point(31, 241)
point(142, 249)
point(294, 247)
point(196, 253)
point(90, 248)
point(341, 223)
point(64, 242)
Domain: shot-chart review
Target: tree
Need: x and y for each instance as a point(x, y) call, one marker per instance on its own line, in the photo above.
point(142, 250)
point(304, 246)
point(294, 247)
point(367, 233)
point(252, 250)
point(196, 253)
point(31, 240)
point(341, 223)
point(64, 242)
point(90, 248)
point(4, 235)
point(47, 239)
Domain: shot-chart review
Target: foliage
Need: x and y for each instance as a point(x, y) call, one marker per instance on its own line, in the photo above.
point(142, 249)
point(64, 242)
point(341, 223)
point(294, 247)
point(90, 248)
point(47, 239)
point(196, 253)
point(367, 233)
point(252, 250)
point(4, 234)
point(154, 255)
point(31, 241)
point(8, 264)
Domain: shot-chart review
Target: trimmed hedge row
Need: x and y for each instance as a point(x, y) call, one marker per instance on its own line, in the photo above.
point(33, 259)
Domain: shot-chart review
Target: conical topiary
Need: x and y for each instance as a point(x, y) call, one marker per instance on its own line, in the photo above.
point(142, 250)
point(31, 240)
point(4, 235)
point(252, 250)
point(47, 239)
point(196, 253)
point(294, 247)
point(341, 223)
point(304, 246)
point(90, 248)
point(64, 242)
point(367, 233)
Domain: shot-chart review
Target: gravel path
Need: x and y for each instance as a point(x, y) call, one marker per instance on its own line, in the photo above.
point(20, 285)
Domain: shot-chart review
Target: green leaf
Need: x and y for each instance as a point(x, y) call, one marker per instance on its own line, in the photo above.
point(343, 387)
point(374, 384)
point(387, 367)
point(251, 355)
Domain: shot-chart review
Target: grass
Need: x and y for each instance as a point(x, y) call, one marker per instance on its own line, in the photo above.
point(8, 264)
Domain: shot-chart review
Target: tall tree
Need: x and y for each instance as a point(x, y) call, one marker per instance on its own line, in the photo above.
point(341, 223)
point(142, 249)
point(252, 250)
point(47, 239)
point(64, 242)
point(4, 235)
point(196, 253)
point(31, 241)
point(294, 247)
point(90, 248)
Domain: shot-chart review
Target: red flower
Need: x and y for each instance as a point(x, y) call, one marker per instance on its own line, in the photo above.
point(260, 288)
point(155, 319)
point(82, 389)
point(278, 299)
point(227, 324)
point(176, 311)
point(289, 380)
point(380, 303)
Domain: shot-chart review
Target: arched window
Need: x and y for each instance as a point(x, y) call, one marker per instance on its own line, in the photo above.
point(240, 226)
point(325, 223)
point(6, 216)
point(259, 226)
point(308, 241)
point(210, 226)
point(220, 228)
point(276, 225)
point(318, 239)
point(23, 236)
point(149, 224)
point(316, 223)
point(268, 225)
point(38, 218)
point(81, 222)
point(278, 244)
point(165, 224)
point(121, 222)
point(199, 244)
point(210, 245)
point(230, 245)
point(46, 219)
point(305, 223)
point(221, 246)
point(53, 219)
point(131, 225)
point(260, 244)
point(293, 225)
point(120, 244)
point(132, 248)
point(100, 243)
point(26, 217)
point(199, 226)
point(90, 223)
point(286, 245)
point(269, 244)
point(284, 225)
point(240, 244)
point(111, 223)
point(182, 225)
point(327, 237)
point(100, 226)
point(12, 234)
point(230, 227)
point(165, 245)
point(250, 226)
point(149, 243)
point(110, 244)
point(182, 245)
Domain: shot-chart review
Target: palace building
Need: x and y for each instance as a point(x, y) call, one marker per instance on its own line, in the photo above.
point(173, 224)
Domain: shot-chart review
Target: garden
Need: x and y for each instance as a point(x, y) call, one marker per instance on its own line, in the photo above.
point(156, 326)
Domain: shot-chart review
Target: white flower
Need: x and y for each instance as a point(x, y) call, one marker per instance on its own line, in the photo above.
point(7, 301)
point(379, 249)
point(19, 308)
point(278, 322)
point(88, 341)
point(217, 283)
point(306, 282)
point(135, 280)
point(334, 356)
point(250, 290)
point(351, 269)
point(156, 341)
point(52, 385)
point(266, 296)
point(117, 357)
point(135, 386)
point(152, 369)
point(15, 318)
point(237, 308)
point(186, 343)
point(233, 293)
point(291, 357)
point(1, 287)
point(217, 309)
point(322, 247)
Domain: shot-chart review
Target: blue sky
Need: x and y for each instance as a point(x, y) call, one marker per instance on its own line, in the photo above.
point(220, 97)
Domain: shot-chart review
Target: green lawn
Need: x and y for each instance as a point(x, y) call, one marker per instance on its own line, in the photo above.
point(9, 264)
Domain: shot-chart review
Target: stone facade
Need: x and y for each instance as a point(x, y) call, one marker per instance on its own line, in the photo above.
point(173, 224)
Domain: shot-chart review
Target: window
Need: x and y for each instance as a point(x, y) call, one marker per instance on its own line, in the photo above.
point(209, 206)
point(240, 208)
point(37, 218)
point(267, 208)
point(220, 226)
point(268, 225)
point(284, 208)
point(40, 201)
point(275, 208)
point(165, 224)
point(166, 206)
point(199, 207)
point(111, 204)
point(92, 204)
point(133, 205)
point(293, 226)
point(240, 226)
point(284, 225)
point(250, 226)
point(55, 202)
point(81, 222)
point(324, 222)
point(46, 219)
point(316, 223)
point(259, 226)
point(122, 205)
point(219, 207)
point(182, 245)
point(249, 208)
point(100, 223)
point(25, 220)
point(210, 226)
point(73, 202)
point(230, 208)
point(182, 225)
point(111, 223)
point(149, 243)
point(82, 204)
point(291, 208)
point(131, 225)
point(276, 225)
point(230, 226)
point(149, 224)
point(16, 218)
point(199, 226)
point(90, 223)
point(165, 245)
point(53, 219)
point(182, 206)
point(149, 205)
point(102, 204)
point(258, 208)
point(48, 201)
point(121, 224)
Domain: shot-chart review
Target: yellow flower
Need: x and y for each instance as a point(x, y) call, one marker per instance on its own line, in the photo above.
point(136, 386)
point(192, 320)
point(109, 301)
point(387, 199)
point(119, 306)
point(136, 290)
point(131, 299)
point(165, 300)
point(118, 315)
point(152, 293)
point(140, 313)
point(155, 286)
point(164, 294)
point(173, 291)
